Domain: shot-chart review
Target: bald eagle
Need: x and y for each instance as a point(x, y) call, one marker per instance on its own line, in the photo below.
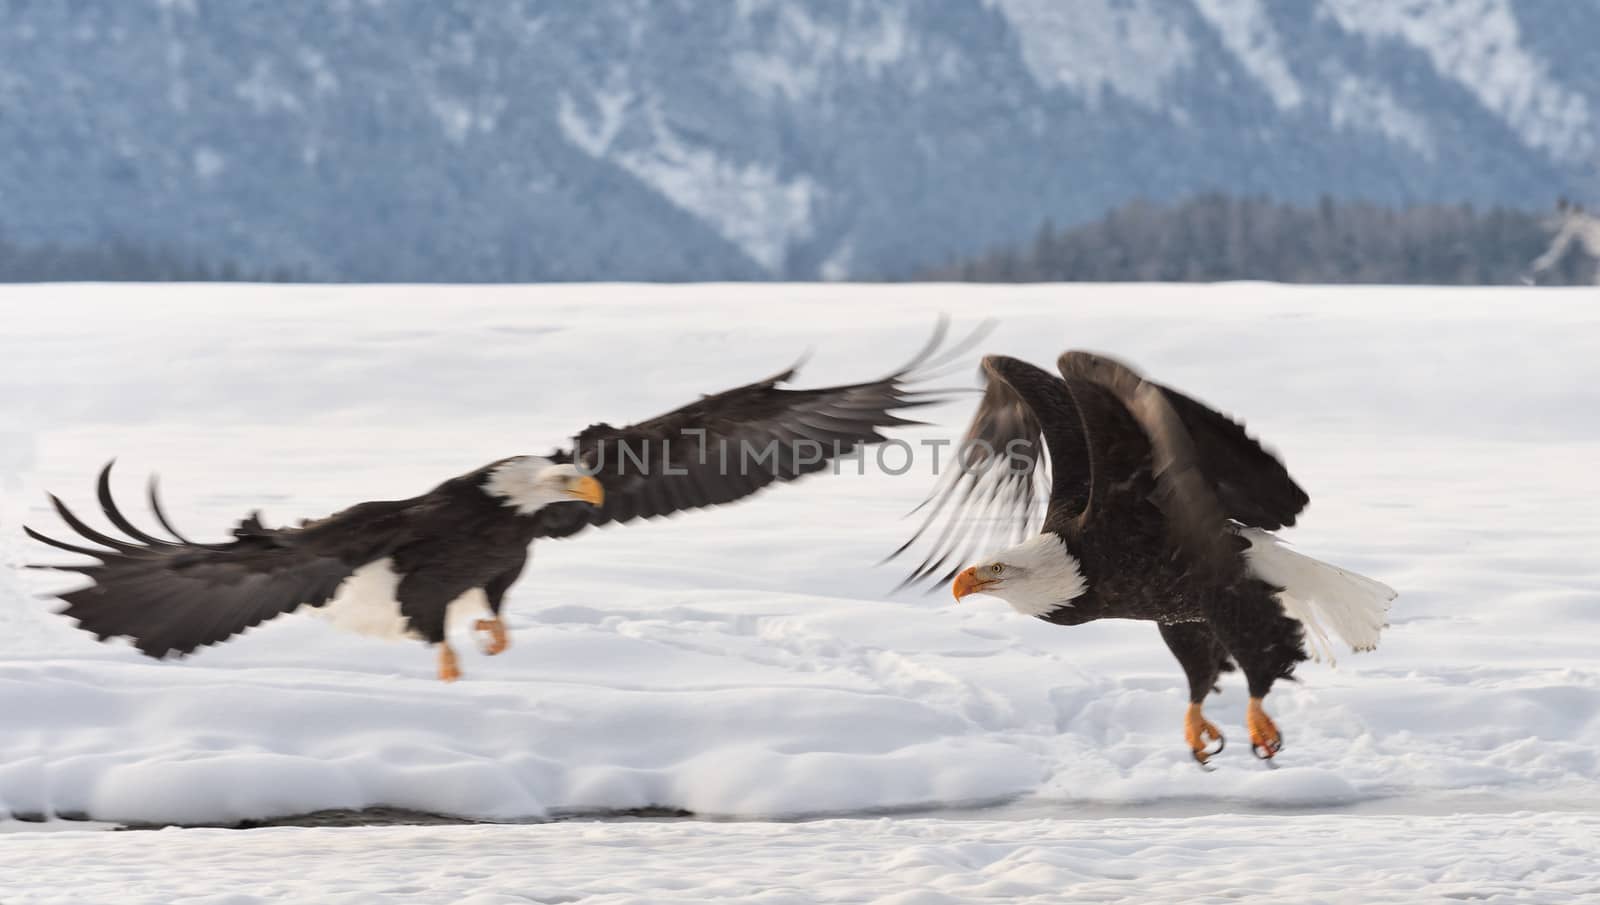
point(1158, 508)
point(408, 567)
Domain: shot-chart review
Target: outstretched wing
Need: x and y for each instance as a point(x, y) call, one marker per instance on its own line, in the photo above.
point(171, 596)
point(1207, 469)
point(991, 493)
point(724, 447)
point(1251, 483)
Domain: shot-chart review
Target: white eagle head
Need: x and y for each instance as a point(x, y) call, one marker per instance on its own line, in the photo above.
point(1037, 576)
point(530, 483)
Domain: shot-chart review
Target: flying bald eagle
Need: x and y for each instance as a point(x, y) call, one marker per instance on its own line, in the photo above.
point(1159, 508)
point(409, 567)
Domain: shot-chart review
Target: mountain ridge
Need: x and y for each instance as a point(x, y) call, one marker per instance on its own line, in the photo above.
point(756, 139)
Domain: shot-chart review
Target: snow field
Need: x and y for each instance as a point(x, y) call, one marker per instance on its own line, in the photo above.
point(750, 661)
point(1313, 860)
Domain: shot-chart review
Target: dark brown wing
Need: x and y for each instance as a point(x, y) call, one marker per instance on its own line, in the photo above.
point(171, 596)
point(990, 491)
point(724, 447)
point(1185, 493)
point(1252, 484)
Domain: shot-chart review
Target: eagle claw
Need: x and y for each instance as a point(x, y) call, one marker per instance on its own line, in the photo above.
point(1203, 756)
point(1265, 739)
point(1196, 729)
point(493, 637)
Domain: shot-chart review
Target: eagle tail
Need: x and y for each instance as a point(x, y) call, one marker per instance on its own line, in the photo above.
point(1324, 598)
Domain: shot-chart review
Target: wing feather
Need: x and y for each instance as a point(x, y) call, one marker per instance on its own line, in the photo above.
point(1184, 493)
point(1111, 438)
point(171, 597)
point(1251, 483)
point(1026, 442)
point(156, 509)
point(727, 446)
point(1205, 457)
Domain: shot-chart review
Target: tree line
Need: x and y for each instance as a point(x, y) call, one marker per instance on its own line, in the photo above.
point(1207, 238)
point(121, 260)
point(1220, 237)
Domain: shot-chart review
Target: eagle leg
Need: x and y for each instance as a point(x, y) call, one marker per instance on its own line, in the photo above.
point(497, 641)
point(1197, 729)
point(449, 670)
point(1202, 657)
point(1265, 739)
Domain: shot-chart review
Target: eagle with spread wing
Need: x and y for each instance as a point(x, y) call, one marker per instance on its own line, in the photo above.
point(1155, 507)
point(413, 567)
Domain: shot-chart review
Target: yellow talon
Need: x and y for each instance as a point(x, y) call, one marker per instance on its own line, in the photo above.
point(499, 638)
point(449, 670)
point(1197, 730)
point(1265, 739)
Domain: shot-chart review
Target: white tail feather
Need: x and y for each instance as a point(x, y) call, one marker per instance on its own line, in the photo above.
point(1324, 598)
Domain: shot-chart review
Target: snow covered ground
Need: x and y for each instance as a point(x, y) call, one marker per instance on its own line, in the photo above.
point(1301, 860)
point(751, 662)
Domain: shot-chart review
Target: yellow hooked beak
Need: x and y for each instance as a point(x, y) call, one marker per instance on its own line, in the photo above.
point(587, 489)
point(969, 582)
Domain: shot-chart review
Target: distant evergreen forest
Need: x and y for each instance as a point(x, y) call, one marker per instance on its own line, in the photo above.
point(1220, 237)
point(1209, 238)
point(122, 260)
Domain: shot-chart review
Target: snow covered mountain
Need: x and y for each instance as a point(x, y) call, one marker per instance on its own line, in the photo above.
point(634, 139)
